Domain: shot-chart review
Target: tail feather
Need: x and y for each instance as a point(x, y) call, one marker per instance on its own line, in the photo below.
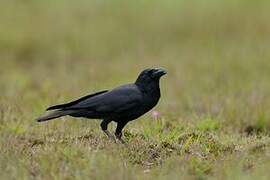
point(53, 115)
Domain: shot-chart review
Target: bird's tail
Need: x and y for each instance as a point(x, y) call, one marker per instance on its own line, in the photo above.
point(53, 115)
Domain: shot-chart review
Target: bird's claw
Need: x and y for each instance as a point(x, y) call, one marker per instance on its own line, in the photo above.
point(121, 141)
point(119, 138)
point(110, 136)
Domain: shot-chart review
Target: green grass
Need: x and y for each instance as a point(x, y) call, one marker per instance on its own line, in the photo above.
point(215, 105)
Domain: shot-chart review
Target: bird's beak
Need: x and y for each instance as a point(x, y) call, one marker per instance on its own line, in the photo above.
point(160, 72)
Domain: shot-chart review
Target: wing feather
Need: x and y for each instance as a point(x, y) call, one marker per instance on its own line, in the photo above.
point(118, 100)
point(61, 106)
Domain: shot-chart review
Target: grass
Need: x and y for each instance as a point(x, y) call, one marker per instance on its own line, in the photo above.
point(215, 106)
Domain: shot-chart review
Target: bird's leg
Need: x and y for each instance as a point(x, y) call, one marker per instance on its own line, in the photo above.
point(118, 131)
point(104, 127)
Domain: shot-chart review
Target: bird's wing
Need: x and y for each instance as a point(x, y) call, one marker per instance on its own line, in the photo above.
point(118, 100)
point(61, 106)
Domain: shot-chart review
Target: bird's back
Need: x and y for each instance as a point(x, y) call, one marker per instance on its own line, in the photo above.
point(126, 102)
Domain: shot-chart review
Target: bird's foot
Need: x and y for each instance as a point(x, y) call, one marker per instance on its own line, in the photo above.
point(119, 138)
point(110, 136)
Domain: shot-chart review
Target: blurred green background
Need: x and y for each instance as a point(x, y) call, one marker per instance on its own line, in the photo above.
point(217, 54)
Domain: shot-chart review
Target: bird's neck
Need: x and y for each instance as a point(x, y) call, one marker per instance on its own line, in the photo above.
point(152, 88)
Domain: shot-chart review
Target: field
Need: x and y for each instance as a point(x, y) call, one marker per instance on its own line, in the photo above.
point(214, 111)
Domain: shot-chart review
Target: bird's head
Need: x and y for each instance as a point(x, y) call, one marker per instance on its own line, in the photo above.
point(150, 76)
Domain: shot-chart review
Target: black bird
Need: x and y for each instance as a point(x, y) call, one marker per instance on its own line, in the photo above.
point(122, 104)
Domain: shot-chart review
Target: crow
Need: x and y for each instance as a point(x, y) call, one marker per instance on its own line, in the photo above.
point(121, 105)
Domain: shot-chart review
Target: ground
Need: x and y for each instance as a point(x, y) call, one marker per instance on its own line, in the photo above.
point(214, 113)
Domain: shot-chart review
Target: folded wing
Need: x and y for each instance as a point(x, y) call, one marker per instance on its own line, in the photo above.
point(118, 100)
point(62, 106)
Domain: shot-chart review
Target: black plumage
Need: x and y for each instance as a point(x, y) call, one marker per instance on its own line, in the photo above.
point(122, 104)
